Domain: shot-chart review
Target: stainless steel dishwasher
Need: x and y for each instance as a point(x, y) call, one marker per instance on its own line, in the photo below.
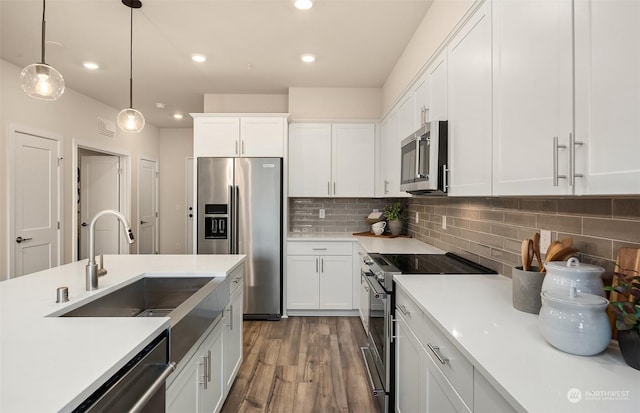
point(139, 386)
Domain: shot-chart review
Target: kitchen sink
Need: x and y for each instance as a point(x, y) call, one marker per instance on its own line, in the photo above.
point(192, 304)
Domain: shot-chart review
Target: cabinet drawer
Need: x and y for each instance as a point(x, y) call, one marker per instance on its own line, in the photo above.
point(236, 278)
point(457, 369)
point(319, 248)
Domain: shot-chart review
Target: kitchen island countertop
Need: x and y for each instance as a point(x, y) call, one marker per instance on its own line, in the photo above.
point(505, 345)
point(53, 363)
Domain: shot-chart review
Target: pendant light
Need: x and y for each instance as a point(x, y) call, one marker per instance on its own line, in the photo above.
point(39, 80)
point(130, 119)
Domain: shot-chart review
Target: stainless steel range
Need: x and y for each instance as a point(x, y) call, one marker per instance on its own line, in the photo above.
point(378, 271)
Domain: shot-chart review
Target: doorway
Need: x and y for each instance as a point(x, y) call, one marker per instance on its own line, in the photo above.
point(147, 206)
point(35, 201)
point(101, 182)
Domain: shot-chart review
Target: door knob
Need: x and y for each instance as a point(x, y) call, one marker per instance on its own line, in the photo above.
point(20, 239)
point(143, 222)
point(84, 224)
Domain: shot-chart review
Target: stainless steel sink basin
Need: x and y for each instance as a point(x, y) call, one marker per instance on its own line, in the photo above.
point(193, 304)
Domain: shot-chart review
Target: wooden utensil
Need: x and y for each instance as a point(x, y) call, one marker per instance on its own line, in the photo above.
point(527, 254)
point(536, 251)
point(567, 242)
point(562, 254)
point(554, 247)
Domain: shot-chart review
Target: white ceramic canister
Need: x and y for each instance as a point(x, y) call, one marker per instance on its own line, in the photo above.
point(560, 275)
point(575, 323)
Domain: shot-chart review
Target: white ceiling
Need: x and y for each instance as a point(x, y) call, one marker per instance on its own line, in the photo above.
point(357, 43)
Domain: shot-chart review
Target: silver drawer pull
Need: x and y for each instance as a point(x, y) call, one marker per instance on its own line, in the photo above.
point(403, 310)
point(436, 351)
point(319, 249)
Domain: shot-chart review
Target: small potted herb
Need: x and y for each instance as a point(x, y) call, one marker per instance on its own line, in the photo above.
point(626, 310)
point(395, 215)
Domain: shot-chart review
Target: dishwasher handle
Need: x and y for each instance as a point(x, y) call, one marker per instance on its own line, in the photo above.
point(144, 399)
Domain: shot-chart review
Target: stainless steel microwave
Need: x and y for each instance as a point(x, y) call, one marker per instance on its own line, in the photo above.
point(424, 160)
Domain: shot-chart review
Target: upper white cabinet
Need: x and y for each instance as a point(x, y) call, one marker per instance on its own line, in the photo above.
point(532, 96)
point(391, 156)
point(469, 101)
point(437, 97)
point(607, 97)
point(235, 136)
point(405, 122)
point(335, 160)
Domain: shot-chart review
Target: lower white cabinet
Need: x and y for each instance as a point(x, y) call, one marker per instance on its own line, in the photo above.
point(320, 276)
point(232, 358)
point(199, 386)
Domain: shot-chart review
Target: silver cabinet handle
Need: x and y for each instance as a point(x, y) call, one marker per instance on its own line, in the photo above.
point(572, 159)
point(157, 384)
point(403, 310)
point(328, 188)
point(209, 364)
point(386, 186)
point(334, 187)
point(206, 361)
point(556, 148)
point(243, 147)
point(316, 264)
point(20, 239)
point(436, 351)
point(230, 310)
point(445, 181)
point(322, 265)
point(319, 249)
point(236, 147)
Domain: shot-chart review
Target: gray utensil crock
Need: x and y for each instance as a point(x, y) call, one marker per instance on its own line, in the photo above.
point(526, 289)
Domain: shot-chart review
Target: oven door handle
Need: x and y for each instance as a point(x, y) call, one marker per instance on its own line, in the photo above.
point(375, 286)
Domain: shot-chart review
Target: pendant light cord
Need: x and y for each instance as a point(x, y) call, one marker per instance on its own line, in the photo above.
point(131, 62)
point(43, 30)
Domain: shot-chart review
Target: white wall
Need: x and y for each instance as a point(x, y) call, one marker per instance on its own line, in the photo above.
point(73, 116)
point(175, 146)
point(335, 103)
point(442, 17)
point(245, 103)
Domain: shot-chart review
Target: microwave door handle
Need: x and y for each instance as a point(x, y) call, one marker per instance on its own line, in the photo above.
point(418, 175)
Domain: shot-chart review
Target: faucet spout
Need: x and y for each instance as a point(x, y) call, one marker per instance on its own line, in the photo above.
point(92, 267)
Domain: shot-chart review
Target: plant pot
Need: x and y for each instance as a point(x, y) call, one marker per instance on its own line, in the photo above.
point(395, 227)
point(629, 342)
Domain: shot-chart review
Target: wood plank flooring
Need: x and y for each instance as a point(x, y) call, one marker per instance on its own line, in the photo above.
point(300, 365)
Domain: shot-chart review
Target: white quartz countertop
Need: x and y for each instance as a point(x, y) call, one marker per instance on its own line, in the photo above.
point(505, 345)
point(399, 245)
point(320, 236)
point(52, 364)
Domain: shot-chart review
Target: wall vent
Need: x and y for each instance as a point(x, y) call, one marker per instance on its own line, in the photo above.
point(106, 128)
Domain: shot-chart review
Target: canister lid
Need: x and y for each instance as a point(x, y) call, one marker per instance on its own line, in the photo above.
point(573, 265)
point(572, 298)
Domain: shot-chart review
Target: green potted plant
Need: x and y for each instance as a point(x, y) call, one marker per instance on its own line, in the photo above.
point(395, 214)
point(626, 310)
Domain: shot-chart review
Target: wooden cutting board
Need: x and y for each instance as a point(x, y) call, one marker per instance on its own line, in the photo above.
point(369, 234)
point(627, 262)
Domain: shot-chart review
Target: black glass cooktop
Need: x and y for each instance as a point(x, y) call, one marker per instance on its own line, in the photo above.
point(434, 264)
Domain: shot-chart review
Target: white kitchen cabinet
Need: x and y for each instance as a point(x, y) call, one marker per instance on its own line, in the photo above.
point(391, 156)
point(607, 96)
point(319, 276)
point(410, 393)
point(469, 107)
point(331, 160)
point(421, 101)
point(532, 95)
point(198, 387)
point(437, 75)
point(233, 331)
point(405, 119)
point(235, 136)
point(486, 398)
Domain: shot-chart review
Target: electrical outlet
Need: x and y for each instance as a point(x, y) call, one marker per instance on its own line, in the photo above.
point(417, 217)
point(545, 240)
point(444, 222)
point(321, 214)
point(375, 210)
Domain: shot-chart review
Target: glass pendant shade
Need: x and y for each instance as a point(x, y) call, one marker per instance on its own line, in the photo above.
point(131, 120)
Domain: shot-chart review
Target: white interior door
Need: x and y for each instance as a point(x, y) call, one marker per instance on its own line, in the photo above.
point(189, 203)
point(147, 190)
point(36, 194)
point(99, 190)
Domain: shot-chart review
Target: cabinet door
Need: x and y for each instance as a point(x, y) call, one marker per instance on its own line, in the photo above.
point(353, 150)
point(410, 386)
point(437, 96)
point(486, 398)
point(421, 101)
point(405, 116)
point(607, 42)
point(440, 394)
point(310, 159)
point(532, 92)
point(211, 354)
point(262, 136)
point(183, 393)
point(469, 88)
point(336, 282)
point(391, 156)
point(303, 282)
point(233, 338)
point(216, 136)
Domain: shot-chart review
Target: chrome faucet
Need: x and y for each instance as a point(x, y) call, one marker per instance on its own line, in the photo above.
point(92, 270)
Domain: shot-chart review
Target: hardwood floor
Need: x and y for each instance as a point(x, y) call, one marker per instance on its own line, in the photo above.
point(302, 364)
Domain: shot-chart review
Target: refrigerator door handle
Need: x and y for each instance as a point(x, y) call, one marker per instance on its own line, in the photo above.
point(236, 220)
point(231, 218)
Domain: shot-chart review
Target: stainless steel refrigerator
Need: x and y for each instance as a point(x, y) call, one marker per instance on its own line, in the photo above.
point(240, 212)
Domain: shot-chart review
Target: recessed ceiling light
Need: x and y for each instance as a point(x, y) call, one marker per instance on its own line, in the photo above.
point(308, 58)
point(199, 58)
point(54, 43)
point(160, 105)
point(178, 116)
point(90, 65)
point(303, 4)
